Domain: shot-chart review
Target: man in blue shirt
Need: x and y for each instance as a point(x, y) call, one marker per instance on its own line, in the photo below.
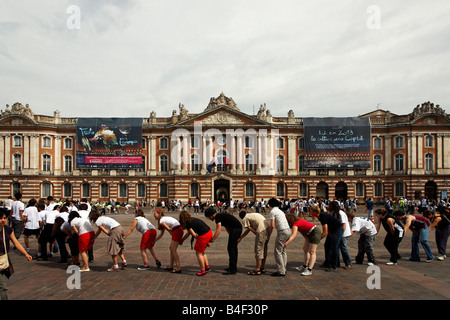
point(369, 206)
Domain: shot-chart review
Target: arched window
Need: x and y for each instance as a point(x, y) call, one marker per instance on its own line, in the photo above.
point(399, 162)
point(280, 163)
point(195, 188)
point(429, 162)
point(377, 164)
point(68, 163)
point(163, 163)
point(248, 162)
point(194, 162)
point(104, 190)
point(123, 190)
point(281, 189)
point(67, 190)
point(249, 190)
point(141, 190)
point(163, 190)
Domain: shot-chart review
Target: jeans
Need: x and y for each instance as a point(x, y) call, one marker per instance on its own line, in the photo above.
point(280, 250)
point(422, 239)
point(391, 243)
point(232, 248)
point(344, 252)
point(332, 248)
point(365, 246)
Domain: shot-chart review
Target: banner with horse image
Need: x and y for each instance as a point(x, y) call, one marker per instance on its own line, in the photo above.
point(109, 143)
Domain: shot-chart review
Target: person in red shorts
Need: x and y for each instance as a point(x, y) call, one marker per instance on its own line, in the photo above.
point(176, 231)
point(86, 237)
point(148, 238)
point(200, 231)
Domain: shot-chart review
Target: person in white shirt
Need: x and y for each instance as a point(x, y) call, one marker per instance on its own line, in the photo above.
point(8, 203)
point(279, 221)
point(176, 231)
point(33, 223)
point(17, 208)
point(148, 238)
point(343, 243)
point(367, 231)
point(116, 243)
point(46, 234)
point(85, 237)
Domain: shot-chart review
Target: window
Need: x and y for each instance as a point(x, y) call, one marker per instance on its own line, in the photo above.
point(194, 192)
point(17, 141)
point(377, 143)
point(104, 190)
point(67, 190)
point(248, 162)
point(399, 162)
point(399, 189)
point(163, 190)
point(429, 141)
point(17, 165)
point(377, 163)
point(163, 144)
point(85, 190)
point(280, 189)
point(67, 163)
point(301, 143)
point(303, 190)
point(249, 142)
point(194, 142)
point(301, 163)
point(141, 190)
point(46, 189)
point(429, 162)
point(359, 189)
point(123, 190)
point(163, 163)
point(15, 188)
point(378, 189)
point(46, 163)
point(67, 143)
point(399, 142)
point(194, 162)
point(280, 143)
point(46, 142)
point(249, 190)
point(280, 163)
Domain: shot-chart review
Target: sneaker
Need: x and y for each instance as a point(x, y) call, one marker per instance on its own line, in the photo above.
point(307, 272)
point(300, 269)
point(428, 260)
point(112, 269)
point(390, 263)
point(441, 258)
point(143, 268)
point(158, 263)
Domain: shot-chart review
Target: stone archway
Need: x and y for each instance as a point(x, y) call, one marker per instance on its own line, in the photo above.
point(341, 190)
point(431, 190)
point(322, 190)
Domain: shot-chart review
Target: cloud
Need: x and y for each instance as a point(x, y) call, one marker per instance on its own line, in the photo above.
point(314, 57)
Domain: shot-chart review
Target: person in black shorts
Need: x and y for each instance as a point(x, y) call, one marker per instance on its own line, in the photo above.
point(234, 229)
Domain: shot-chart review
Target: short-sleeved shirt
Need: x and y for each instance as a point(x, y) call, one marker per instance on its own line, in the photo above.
point(304, 226)
point(199, 226)
point(370, 205)
point(255, 220)
point(171, 222)
point(50, 216)
point(280, 219)
point(228, 221)
point(82, 225)
point(364, 226)
point(33, 218)
point(107, 222)
point(329, 220)
point(143, 225)
point(16, 207)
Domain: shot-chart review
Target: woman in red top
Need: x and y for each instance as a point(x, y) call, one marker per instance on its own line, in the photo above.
point(312, 236)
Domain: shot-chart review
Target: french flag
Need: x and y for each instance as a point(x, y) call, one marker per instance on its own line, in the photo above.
point(211, 165)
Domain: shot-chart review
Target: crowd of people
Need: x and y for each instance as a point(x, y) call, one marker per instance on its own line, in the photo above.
point(58, 225)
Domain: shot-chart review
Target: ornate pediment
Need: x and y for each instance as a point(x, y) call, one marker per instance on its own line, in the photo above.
point(220, 101)
point(222, 117)
point(18, 109)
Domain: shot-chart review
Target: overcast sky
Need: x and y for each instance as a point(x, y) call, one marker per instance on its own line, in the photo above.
point(318, 58)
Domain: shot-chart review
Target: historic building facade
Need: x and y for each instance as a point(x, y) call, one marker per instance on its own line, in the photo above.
point(224, 153)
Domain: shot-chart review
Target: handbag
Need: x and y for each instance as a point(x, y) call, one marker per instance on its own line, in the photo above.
point(4, 263)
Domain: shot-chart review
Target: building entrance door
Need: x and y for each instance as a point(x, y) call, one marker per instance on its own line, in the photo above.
point(221, 190)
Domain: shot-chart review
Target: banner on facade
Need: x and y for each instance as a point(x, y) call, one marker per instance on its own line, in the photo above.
point(109, 143)
point(337, 143)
